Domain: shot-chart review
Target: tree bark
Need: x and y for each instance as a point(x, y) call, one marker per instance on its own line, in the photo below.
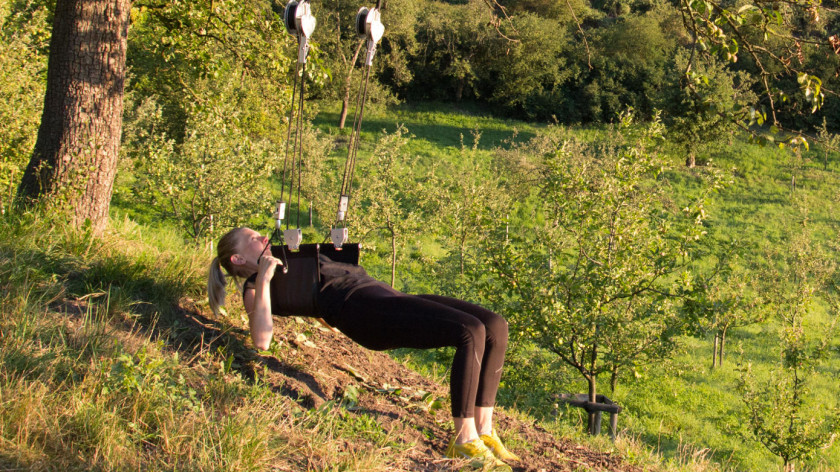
point(722, 345)
point(345, 100)
point(715, 351)
point(690, 160)
point(74, 161)
point(593, 396)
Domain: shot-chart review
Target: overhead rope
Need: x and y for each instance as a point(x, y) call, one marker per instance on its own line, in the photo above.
point(368, 26)
point(299, 279)
point(300, 23)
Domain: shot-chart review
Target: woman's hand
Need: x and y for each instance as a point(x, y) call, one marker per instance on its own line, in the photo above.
point(268, 264)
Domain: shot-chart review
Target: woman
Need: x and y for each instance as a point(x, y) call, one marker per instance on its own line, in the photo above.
point(378, 317)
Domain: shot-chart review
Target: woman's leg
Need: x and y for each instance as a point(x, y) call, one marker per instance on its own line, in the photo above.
point(496, 329)
point(378, 317)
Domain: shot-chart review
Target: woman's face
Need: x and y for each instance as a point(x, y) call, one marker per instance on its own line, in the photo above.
point(252, 245)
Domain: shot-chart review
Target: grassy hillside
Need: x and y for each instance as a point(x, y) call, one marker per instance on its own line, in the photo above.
point(682, 404)
point(111, 360)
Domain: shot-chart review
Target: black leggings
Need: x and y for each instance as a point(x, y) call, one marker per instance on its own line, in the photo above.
point(378, 318)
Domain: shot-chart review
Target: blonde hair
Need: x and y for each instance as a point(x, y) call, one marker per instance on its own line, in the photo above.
point(216, 279)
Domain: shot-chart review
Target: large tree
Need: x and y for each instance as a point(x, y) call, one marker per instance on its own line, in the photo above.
point(75, 158)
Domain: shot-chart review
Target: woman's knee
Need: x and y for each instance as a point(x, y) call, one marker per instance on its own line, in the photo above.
point(473, 332)
point(497, 329)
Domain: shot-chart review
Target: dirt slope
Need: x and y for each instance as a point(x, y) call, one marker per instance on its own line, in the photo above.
point(314, 365)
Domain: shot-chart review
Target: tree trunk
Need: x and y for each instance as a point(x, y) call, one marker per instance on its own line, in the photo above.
point(613, 379)
point(593, 395)
point(722, 345)
point(715, 351)
point(345, 100)
point(345, 103)
point(74, 161)
point(690, 160)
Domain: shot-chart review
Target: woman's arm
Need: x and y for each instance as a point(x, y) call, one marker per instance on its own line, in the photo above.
point(258, 304)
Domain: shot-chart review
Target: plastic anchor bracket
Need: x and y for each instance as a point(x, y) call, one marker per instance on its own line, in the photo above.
point(338, 237)
point(293, 237)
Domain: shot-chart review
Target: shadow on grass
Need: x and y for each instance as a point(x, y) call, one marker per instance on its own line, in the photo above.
point(442, 135)
point(134, 294)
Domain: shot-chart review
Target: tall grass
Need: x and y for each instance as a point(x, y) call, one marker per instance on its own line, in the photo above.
point(92, 376)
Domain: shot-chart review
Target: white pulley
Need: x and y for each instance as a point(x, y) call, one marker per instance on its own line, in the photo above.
point(300, 23)
point(369, 25)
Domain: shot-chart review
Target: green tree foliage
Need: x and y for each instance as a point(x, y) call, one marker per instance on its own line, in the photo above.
point(180, 52)
point(724, 299)
point(528, 75)
point(465, 213)
point(214, 178)
point(701, 112)
point(24, 37)
point(544, 60)
point(784, 415)
point(342, 52)
point(453, 46)
point(630, 57)
point(596, 282)
point(389, 196)
point(791, 48)
point(830, 142)
point(207, 120)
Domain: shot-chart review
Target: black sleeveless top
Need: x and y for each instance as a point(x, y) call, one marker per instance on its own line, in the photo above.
point(338, 282)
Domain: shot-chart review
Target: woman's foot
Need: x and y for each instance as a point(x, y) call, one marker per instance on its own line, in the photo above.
point(482, 457)
point(495, 445)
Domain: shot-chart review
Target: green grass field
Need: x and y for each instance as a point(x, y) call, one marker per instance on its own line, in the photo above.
point(86, 388)
point(680, 408)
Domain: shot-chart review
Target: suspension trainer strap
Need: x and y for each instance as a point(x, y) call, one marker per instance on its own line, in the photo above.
point(299, 23)
point(280, 212)
point(368, 26)
point(355, 143)
point(300, 144)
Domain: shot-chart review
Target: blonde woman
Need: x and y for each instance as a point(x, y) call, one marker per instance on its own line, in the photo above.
point(378, 317)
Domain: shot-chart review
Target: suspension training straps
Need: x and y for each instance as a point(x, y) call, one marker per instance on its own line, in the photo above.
point(300, 23)
point(368, 26)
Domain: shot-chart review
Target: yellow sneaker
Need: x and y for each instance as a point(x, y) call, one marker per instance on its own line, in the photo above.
point(495, 445)
point(482, 458)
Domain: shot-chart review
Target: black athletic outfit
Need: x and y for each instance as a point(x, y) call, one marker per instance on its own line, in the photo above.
point(378, 317)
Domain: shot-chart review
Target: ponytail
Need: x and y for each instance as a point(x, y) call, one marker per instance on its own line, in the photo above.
point(216, 283)
point(216, 279)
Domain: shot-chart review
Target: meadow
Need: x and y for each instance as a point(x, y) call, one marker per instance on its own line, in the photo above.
point(681, 406)
point(97, 358)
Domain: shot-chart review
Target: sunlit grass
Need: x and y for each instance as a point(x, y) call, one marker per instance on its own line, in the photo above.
point(682, 410)
point(92, 376)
